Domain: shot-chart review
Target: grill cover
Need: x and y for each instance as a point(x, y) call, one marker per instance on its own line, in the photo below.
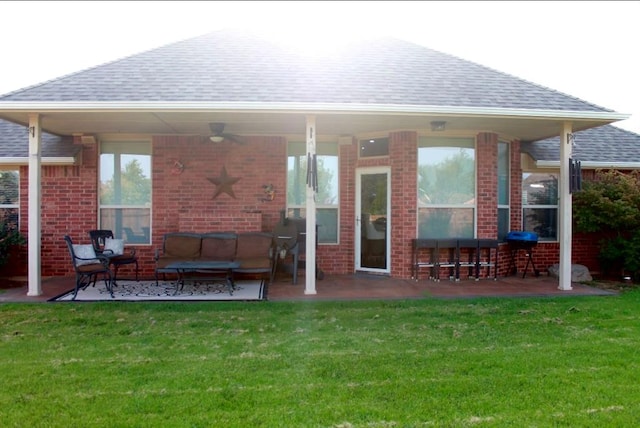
point(524, 237)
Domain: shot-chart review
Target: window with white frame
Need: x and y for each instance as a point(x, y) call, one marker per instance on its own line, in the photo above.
point(10, 199)
point(446, 187)
point(540, 204)
point(125, 190)
point(371, 147)
point(327, 197)
point(504, 188)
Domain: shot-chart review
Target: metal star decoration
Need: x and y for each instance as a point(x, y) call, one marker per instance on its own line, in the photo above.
point(223, 183)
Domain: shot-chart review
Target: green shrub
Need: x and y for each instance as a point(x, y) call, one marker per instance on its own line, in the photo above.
point(9, 238)
point(610, 206)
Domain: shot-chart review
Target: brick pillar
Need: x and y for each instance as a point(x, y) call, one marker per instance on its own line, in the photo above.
point(487, 182)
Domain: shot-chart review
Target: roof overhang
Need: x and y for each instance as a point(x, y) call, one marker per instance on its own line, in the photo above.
point(258, 118)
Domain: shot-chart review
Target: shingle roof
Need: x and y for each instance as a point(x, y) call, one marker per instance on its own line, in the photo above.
point(14, 143)
point(602, 144)
point(229, 66)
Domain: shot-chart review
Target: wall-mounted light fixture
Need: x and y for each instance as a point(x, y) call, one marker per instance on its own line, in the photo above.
point(438, 125)
point(88, 139)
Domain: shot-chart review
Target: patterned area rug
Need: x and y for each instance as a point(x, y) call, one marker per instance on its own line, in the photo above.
point(166, 291)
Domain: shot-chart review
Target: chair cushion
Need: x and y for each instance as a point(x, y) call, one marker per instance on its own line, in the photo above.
point(85, 251)
point(91, 268)
point(114, 246)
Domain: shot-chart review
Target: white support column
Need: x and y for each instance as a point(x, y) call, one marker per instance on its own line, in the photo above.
point(566, 202)
point(35, 198)
point(310, 263)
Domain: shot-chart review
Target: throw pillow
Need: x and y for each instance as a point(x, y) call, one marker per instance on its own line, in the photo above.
point(85, 251)
point(114, 245)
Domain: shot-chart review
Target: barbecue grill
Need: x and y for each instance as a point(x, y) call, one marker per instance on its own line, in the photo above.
point(525, 241)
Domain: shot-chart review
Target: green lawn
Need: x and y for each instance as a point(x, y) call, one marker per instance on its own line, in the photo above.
point(526, 362)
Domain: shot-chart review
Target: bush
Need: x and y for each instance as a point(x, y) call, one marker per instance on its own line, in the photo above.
point(9, 238)
point(610, 206)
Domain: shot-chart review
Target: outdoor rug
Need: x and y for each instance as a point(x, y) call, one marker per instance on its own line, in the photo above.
point(166, 291)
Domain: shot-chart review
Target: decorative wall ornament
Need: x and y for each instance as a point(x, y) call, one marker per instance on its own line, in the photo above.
point(224, 183)
point(177, 167)
point(269, 192)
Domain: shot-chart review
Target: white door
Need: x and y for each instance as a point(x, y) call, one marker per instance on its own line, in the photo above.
point(373, 205)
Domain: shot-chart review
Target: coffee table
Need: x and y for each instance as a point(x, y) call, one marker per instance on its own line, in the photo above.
point(214, 270)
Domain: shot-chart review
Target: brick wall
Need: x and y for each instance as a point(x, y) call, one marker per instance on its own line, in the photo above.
point(184, 200)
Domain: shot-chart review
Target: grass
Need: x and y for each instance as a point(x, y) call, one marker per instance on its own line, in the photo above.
point(534, 362)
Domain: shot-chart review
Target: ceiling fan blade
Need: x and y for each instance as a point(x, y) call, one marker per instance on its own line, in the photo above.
point(233, 138)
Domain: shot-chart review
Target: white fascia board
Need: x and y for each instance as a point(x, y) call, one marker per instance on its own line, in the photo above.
point(44, 161)
point(591, 165)
point(144, 106)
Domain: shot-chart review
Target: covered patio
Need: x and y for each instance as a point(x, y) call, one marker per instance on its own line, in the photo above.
point(362, 286)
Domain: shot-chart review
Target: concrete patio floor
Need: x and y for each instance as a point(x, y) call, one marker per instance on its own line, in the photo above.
point(361, 287)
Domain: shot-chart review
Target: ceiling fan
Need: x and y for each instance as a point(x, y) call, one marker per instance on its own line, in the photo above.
point(218, 134)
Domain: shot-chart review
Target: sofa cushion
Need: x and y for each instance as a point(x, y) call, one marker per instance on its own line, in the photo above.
point(254, 263)
point(222, 247)
point(182, 246)
point(254, 245)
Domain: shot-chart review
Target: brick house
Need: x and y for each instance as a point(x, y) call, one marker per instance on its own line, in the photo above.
point(219, 132)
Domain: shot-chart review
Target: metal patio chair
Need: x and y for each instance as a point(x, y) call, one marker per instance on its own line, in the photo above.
point(99, 241)
point(88, 266)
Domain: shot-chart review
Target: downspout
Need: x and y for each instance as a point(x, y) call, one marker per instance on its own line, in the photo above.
point(312, 182)
point(34, 233)
point(566, 140)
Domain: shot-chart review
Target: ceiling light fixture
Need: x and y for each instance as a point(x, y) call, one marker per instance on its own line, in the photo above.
point(438, 125)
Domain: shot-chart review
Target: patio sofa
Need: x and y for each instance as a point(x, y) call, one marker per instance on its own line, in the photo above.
point(254, 251)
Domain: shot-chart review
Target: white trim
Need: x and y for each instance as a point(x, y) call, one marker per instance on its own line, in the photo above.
point(591, 164)
point(309, 108)
point(45, 161)
point(359, 173)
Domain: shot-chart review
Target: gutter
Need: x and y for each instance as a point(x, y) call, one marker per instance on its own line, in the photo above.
point(44, 161)
point(302, 108)
point(591, 165)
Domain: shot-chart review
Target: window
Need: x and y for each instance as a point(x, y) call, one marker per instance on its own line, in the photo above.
point(374, 147)
point(503, 190)
point(540, 204)
point(10, 199)
point(125, 190)
point(446, 188)
point(327, 198)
